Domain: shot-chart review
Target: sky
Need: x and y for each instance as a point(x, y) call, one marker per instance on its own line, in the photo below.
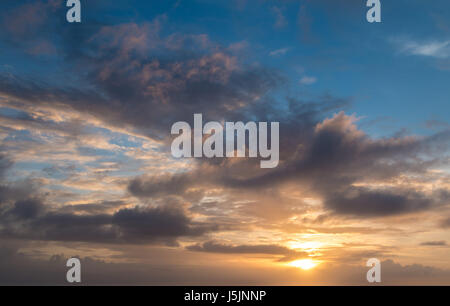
point(86, 168)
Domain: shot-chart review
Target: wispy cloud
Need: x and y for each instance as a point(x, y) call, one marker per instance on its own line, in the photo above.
point(280, 20)
point(308, 80)
point(277, 52)
point(436, 49)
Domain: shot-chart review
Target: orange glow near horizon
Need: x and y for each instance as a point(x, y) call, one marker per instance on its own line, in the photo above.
point(304, 264)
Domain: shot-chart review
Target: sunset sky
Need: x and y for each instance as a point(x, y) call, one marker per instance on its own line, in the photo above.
point(85, 163)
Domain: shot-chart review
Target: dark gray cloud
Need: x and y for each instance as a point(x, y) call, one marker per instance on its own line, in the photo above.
point(434, 243)
point(160, 185)
point(30, 219)
point(268, 249)
point(365, 202)
point(27, 209)
point(411, 274)
point(445, 223)
point(328, 156)
point(17, 191)
point(166, 221)
point(5, 164)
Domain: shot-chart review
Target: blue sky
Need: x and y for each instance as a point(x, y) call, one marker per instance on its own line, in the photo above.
point(333, 48)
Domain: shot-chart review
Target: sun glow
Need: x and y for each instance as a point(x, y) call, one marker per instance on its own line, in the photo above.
point(305, 264)
point(306, 246)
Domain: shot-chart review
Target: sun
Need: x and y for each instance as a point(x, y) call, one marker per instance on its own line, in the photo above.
point(305, 264)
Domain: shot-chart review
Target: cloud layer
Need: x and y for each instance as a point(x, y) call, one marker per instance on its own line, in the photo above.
point(86, 161)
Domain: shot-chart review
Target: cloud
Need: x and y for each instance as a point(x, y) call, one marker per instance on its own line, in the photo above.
point(280, 20)
point(395, 273)
point(76, 179)
point(307, 80)
point(329, 157)
point(31, 219)
point(445, 223)
point(436, 49)
point(305, 24)
point(269, 249)
point(159, 185)
point(279, 52)
point(27, 209)
point(5, 164)
point(161, 82)
point(17, 268)
point(29, 26)
point(436, 124)
point(434, 243)
point(364, 202)
point(166, 221)
point(19, 192)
